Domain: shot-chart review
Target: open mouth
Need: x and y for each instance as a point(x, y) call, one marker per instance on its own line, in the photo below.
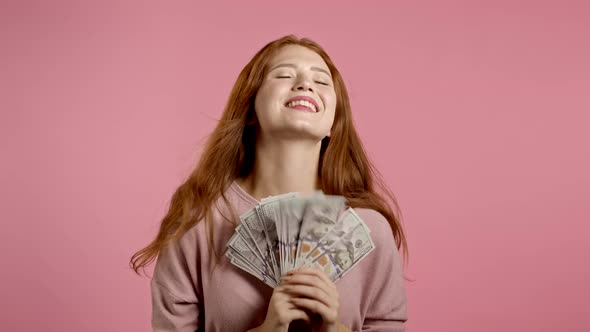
point(302, 105)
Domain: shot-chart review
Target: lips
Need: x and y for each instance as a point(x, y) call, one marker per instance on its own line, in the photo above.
point(306, 98)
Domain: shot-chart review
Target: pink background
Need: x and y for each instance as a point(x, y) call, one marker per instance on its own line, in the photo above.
point(475, 112)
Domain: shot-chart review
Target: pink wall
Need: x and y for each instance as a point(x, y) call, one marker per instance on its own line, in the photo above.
point(476, 114)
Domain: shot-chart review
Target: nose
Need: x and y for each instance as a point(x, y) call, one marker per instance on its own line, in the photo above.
point(303, 84)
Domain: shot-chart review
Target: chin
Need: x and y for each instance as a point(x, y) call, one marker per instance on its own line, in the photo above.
point(297, 133)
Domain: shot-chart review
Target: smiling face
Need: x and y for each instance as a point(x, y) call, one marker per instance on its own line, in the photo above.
point(296, 72)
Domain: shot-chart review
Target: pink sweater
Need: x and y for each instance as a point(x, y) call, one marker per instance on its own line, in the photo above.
point(189, 296)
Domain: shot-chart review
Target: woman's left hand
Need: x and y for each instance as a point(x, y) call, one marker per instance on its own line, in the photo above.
point(316, 293)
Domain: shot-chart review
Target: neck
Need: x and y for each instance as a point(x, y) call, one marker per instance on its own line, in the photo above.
point(283, 166)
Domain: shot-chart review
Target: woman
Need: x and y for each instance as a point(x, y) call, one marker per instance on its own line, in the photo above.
point(287, 127)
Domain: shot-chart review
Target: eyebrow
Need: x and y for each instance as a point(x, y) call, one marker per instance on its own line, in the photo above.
point(294, 66)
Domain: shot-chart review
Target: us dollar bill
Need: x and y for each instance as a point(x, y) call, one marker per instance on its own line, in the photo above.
point(343, 255)
point(321, 215)
point(254, 226)
point(290, 218)
point(346, 222)
point(245, 262)
point(289, 231)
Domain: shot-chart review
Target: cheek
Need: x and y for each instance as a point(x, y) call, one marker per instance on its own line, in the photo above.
point(330, 102)
point(262, 103)
point(268, 97)
point(262, 95)
point(331, 108)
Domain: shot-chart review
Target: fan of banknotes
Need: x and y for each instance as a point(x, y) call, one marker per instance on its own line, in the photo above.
point(290, 231)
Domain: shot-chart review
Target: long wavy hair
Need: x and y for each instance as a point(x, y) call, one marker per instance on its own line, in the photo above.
point(344, 167)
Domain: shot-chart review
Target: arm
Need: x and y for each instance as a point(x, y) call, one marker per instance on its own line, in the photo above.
point(176, 304)
point(172, 313)
point(387, 310)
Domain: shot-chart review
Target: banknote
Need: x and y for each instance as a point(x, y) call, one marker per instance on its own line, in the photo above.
point(240, 246)
point(321, 214)
point(254, 226)
point(290, 217)
point(268, 212)
point(243, 231)
point(346, 222)
point(341, 256)
point(292, 230)
point(242, 262)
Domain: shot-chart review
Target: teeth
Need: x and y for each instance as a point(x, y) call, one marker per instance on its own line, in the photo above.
point(302, 103)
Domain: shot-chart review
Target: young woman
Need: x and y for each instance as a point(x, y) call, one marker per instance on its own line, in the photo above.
point(287, 127)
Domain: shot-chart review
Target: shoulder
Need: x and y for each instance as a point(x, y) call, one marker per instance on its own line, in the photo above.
point(386, 253)
point(381, 231)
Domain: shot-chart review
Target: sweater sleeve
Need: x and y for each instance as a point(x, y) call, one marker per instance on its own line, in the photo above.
point(176, 304)
point(387, 297)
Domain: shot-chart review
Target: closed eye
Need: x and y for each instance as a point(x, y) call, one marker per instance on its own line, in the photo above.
point(318, 82)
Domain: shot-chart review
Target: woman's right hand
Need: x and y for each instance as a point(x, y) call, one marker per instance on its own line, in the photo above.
point(281, 312)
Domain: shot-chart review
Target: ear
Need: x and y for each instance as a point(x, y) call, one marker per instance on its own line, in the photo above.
point(252, 119)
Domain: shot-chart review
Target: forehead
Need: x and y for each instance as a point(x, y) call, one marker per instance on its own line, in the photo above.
point(298, 55)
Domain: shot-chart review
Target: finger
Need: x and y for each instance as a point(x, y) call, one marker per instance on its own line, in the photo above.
point(288, 305)
point(311, 281)
point(312, 293)
point(295, 314)
point(330, 295)
point(314, 272)
point(279, 289)
point(328, 315)
point(280, 293)
point(310, 273)
point(282, 298)
point(308, 280)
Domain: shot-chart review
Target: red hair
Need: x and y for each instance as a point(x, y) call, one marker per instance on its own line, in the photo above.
point(344, 167)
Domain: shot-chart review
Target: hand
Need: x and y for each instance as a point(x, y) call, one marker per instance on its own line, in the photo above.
point(312, 290)
point(281, 312)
